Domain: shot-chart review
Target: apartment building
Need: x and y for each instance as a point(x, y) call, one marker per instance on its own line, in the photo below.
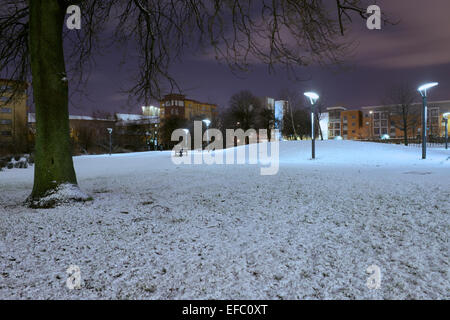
point(386, 121)
point(335, 121)
point(13, 115)
point(180, 106)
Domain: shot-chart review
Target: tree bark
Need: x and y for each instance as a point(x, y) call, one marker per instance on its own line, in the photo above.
point(405, 126)
point(53, 158)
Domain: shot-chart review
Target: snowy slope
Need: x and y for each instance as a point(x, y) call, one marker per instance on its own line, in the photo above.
point(156, 230)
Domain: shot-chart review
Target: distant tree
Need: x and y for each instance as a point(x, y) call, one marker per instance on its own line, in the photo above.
point(85, 135)
point(404, 115)
point(245, 110)
point(297, 118)
point(267, 121)
point(168, 126)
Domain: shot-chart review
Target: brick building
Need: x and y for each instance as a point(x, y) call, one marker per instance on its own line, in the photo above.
point(13, 116)
point(381, 121)
point(179, 105)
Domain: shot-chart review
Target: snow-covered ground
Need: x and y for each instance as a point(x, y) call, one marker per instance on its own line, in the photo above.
point(156, 230)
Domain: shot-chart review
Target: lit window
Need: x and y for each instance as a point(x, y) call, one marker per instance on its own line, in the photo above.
point(5, 110)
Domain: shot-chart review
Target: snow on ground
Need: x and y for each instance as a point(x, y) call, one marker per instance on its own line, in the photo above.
point(156, 230)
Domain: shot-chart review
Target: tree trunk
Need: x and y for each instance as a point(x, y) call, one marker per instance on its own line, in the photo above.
point(53, 158)
point(318, 126)
point(405, 127)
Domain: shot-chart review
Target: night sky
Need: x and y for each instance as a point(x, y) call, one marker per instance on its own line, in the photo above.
point(416, 50)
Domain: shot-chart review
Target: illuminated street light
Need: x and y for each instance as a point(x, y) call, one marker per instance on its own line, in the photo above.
point(423, 92)
point(371, 123)
point(313, 97)
point(110, 130)
point(423, 89)
point(207, 122)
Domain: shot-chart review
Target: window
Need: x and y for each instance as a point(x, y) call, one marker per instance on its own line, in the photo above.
point(5, 110)
point(353, 124)
point(5, 121)
point(6, 133)
point(376, 123)
point(376, 116)
point(345, 118)
point(384, 131)
point(344, 132)
point(5, 88)
point(353, 131)
point(384, 123)
point(376, 131)
point(4, 99)
point(353, 117)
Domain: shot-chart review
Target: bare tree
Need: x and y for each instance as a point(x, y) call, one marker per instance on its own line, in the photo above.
point(244, 110)
point(295, 103)
point(85, 135)
point(404, 115)
point(34, 42)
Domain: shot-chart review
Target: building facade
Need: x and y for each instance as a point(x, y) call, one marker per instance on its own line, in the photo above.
point(180, 106)
point(13, 116)
point(387, 121)
point(130, 132)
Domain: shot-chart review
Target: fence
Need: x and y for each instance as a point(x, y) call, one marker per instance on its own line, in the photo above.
point(432, 142)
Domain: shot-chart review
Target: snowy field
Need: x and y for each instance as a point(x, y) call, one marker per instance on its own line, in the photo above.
point(156, 230)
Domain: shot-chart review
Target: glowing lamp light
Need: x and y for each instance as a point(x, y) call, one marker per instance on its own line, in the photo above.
point(385, 137)
point(207, 122)
point(423, 88)
point(338, 138)
point(313, 97)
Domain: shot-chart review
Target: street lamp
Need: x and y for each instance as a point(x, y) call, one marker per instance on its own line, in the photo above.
point(423, 92)
point(313, 97)
point(147, 141)
point(110, 130)
point(446, 115)
point(371, 124)
point(207, 122)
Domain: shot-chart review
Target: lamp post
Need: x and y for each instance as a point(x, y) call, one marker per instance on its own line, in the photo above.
point(371, 124)
point(110, 130)
point(207, 122)
point(147, 141)
point(313, 97)
point(423, 92)
point(446, 115)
